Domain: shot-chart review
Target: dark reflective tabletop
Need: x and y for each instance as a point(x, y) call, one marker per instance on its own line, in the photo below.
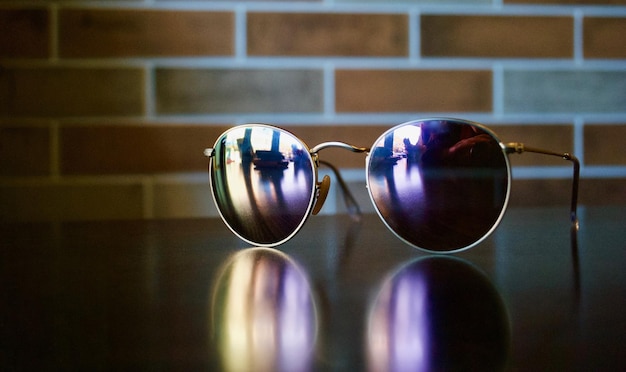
point(188, 295)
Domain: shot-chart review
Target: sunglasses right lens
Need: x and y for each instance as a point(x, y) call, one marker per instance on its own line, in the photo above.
point(440, 185)
point(263, 183)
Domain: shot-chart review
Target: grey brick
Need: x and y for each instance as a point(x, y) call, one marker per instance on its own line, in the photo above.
point(197, 91)
point(564, 91)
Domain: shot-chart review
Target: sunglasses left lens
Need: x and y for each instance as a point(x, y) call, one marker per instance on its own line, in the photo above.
point(263, 183)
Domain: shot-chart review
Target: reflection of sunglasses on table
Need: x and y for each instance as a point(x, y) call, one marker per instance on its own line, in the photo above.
point(441, 185)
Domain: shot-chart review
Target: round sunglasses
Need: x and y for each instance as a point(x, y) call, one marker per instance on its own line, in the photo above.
point(441, 185)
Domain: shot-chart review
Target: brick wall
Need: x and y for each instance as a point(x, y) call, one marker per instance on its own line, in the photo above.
point(106, 106)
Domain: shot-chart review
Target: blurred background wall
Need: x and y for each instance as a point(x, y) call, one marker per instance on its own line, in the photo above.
point(106, 106)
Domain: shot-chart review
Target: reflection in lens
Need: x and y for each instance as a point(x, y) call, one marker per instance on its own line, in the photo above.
point(437, 314)
point(264, 316)
point(441, 185)
point(262, 180)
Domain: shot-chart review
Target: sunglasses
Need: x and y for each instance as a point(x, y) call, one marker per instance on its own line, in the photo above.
point(441, 185)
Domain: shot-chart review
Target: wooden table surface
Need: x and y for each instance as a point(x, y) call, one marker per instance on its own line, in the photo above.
point(188, 295)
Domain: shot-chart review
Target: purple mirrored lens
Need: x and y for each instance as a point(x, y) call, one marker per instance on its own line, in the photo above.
point(264, 313)
point(441, 185)
point(262, 180)
point(438, 314)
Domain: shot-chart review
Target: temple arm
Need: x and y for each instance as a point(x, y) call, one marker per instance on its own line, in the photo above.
point(351, 204)
point(518, 148)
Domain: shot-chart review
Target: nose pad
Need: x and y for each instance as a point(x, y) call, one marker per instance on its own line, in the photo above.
point(322, 193)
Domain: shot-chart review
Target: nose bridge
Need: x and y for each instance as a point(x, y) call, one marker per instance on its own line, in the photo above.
point(342, 145)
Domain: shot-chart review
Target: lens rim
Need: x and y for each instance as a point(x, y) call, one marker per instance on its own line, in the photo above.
point(312, 196)
point(453, 120)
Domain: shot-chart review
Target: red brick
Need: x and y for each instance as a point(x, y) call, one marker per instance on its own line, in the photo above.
point(25, 33)
point(140, 149)
point(567, 2)
point(496, 36)
point(603, 37)
point(126, 33)
point(319, 34)
point(413, 90)
point(71, 201)
point(604, 144)
point(24, 151)
point(551, 192)
point(64, 91)
point(541, 192)
point(603, 191)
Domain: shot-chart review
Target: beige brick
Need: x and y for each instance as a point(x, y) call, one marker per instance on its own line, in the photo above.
point(183, 199)
point(496, 36)
point(25, 33)
point(68, 201)
point(24, 151)
point(124, 149)
point(138, 32)
point(603, 37)
point(604, 144)
point(319, 34)
point(200, 91)
point(64, 91)
point(413, 90)
point(564, 91)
